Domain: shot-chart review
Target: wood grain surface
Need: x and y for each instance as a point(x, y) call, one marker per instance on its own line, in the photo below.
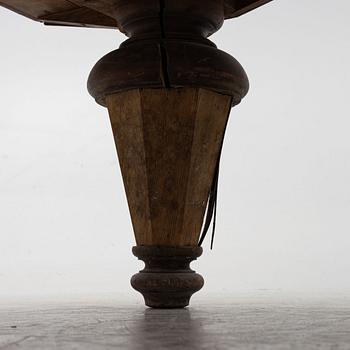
point(168, 141)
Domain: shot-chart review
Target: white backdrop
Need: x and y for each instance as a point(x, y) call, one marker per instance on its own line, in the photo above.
point(284, 199)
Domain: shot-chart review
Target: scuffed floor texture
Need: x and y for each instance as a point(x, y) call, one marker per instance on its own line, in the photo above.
point(225, 325)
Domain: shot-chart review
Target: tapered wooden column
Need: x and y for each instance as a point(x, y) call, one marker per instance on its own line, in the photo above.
point(169, 92)
point(168, 142)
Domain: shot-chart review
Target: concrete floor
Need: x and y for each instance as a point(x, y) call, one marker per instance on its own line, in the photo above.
point(225, 325)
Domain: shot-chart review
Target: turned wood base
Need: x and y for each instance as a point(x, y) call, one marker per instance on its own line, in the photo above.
point(169, 92)
point(167, 280)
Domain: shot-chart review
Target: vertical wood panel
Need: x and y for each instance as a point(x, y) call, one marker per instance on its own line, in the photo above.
point(211, 117)
point(168, 141)
point(168, 117)
point(127, 125)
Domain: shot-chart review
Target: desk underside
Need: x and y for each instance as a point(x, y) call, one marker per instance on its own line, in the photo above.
point(97, 13)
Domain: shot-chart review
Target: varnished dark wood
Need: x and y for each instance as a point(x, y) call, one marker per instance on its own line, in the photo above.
point(168, 48)
point(187, 64)
point(102, 13)
point(167, 281)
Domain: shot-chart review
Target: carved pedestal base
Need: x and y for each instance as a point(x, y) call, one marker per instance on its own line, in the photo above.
point(169, 92)
point(167, 280)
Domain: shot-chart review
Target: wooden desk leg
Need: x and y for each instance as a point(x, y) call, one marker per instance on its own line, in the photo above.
point(169, 92)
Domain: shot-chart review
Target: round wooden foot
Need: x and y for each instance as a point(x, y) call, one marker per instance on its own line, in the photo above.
point(167, 280)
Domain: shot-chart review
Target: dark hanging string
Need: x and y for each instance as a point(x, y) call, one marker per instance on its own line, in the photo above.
point(213, 199)
point(211, 208)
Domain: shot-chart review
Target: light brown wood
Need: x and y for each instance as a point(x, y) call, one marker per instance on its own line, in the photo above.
point(168, 143)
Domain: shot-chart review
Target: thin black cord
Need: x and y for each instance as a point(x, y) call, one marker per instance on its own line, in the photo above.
point(216, 205)
point(162, 47)
point(213, 197)
point(210, 208)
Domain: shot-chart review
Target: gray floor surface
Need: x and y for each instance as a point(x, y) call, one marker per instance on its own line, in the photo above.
point(220, 325)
